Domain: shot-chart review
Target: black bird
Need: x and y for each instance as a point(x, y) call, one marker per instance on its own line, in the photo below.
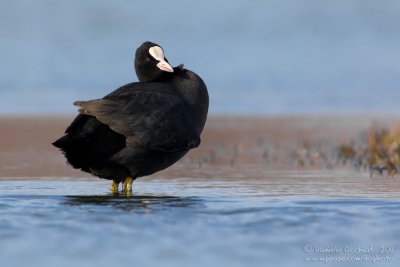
point(142, 127)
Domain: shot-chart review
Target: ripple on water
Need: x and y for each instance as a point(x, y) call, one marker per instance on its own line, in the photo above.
point(171, 223)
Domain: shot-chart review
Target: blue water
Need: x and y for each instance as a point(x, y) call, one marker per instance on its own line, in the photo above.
point(257, 57)
point(284, 219)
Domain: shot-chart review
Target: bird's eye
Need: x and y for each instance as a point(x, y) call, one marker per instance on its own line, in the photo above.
point(148, 59)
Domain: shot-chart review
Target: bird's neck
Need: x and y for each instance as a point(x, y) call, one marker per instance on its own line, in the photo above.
point(194, 91)
point(192, 88)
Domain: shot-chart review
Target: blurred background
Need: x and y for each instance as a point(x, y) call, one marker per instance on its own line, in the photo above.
point(257, 57)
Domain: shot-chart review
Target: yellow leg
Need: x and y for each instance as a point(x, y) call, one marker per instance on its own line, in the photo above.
point(114, 186)
point(127, 185)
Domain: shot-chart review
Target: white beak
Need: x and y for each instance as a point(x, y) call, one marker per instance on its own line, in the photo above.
point(163, 65)
point(157, 53)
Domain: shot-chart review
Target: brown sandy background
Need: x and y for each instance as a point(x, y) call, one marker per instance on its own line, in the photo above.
point(228, 143)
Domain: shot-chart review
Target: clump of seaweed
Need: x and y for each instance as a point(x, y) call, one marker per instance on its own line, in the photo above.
point(312, 155)
point(346, 153)
point(384, 150)
point(379, 151)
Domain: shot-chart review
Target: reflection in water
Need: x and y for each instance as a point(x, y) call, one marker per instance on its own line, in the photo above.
point(129, 202)
point(192, 222)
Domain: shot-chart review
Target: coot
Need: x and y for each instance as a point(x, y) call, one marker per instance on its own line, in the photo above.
point(142, 127)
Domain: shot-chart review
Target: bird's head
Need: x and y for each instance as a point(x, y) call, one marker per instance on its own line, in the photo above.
point(150, 62)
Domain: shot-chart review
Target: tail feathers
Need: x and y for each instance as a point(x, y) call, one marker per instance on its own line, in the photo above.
point(89, 144)
point(61, 142)
point(74, 151)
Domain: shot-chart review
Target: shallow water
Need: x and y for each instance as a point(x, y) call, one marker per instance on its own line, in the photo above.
point(282, 219)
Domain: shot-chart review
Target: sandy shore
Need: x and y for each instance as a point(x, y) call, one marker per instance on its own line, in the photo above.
point(227, 143)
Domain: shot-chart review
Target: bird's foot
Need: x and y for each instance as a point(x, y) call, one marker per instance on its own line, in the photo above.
point(127, 184)
point(114, 186)
point(127, 194)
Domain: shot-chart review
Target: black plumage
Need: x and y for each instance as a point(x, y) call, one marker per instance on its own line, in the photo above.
point(142, 127)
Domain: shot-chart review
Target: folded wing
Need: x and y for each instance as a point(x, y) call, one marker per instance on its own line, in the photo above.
point(151, 116)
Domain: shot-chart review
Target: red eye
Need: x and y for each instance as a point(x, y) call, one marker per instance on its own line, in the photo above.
point(148, 59)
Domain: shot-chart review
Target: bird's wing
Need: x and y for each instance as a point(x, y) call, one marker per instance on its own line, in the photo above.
point(150, 115)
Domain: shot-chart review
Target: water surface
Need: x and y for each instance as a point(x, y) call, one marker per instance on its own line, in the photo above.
point(282, 219)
